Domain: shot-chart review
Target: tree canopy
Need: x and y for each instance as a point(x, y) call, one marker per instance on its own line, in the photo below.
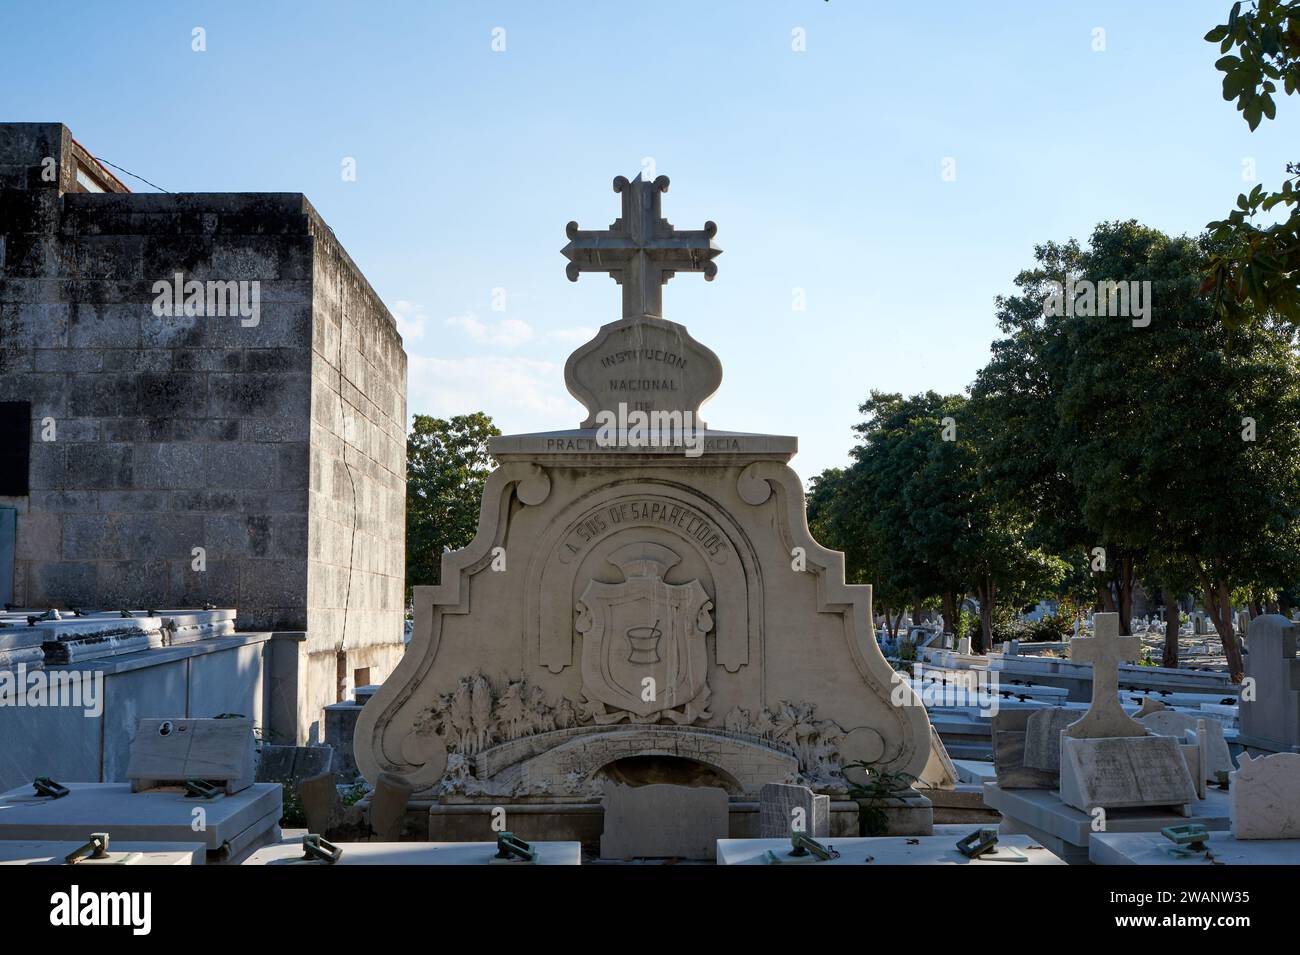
point(447, 463)
point(1258, 265)
point(1121, 432)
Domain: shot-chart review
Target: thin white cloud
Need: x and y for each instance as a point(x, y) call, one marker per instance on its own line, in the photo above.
point(507, 333)
point(520, 394)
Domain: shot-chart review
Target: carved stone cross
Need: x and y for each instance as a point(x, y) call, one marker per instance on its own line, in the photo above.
point(1105, 717)
point(640, 250)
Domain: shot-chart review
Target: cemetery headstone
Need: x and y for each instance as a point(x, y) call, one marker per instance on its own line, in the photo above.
point(1108, 759)
point(167, 752)
point(783, 809)
point(1265, 797)
point(1271, 719)
point(663, 821)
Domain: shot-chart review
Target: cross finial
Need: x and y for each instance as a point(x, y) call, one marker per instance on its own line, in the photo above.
point(1105, 650)
point(641, 250)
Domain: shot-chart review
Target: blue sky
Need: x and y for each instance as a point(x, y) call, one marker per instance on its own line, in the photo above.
point(822, 168)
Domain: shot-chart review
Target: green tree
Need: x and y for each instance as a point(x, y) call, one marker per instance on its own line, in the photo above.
point(838, 519)
point(1258, 265)
point(447, 463)
point(916, 493)
point(1170, 442)
point(1026, 451)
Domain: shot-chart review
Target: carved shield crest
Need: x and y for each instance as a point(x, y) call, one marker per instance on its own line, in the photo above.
point(644, 656)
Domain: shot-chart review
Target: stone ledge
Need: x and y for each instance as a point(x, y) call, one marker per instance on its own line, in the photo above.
point(579, 447)
point(144, 659)
point(1041, 811)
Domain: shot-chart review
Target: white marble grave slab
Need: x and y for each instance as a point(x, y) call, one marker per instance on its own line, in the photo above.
point(884, 850)
point(19, 852)
point(420, 853)
point(1151, 848)
point(232, 823)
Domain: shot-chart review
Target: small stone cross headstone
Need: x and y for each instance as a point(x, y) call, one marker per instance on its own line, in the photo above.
point(1105, 717)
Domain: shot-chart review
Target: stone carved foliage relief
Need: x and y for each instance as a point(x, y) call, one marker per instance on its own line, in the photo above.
point(814, 742)
point(475, 716)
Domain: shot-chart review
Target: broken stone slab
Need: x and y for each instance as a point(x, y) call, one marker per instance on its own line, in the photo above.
point(1125, 772)
point(1009, 727)
point(1043, 737)
point(1265, 796)
point(663, 821)
point(783, 809)
point(1179, 725)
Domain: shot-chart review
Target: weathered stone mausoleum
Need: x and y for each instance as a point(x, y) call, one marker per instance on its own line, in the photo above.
point(203, 402)
point(643, 603)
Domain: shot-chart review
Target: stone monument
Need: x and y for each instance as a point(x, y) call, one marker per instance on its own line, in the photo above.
point(1270, 713)
point(1108, 759)
point(643, 602)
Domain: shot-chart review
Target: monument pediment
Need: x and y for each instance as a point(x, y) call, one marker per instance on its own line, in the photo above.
point(624, 600)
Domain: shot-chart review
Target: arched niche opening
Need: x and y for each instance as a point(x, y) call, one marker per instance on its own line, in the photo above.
point(652, 768)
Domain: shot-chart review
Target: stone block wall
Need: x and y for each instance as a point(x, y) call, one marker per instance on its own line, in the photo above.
point(357, 489)
point(273, 441)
